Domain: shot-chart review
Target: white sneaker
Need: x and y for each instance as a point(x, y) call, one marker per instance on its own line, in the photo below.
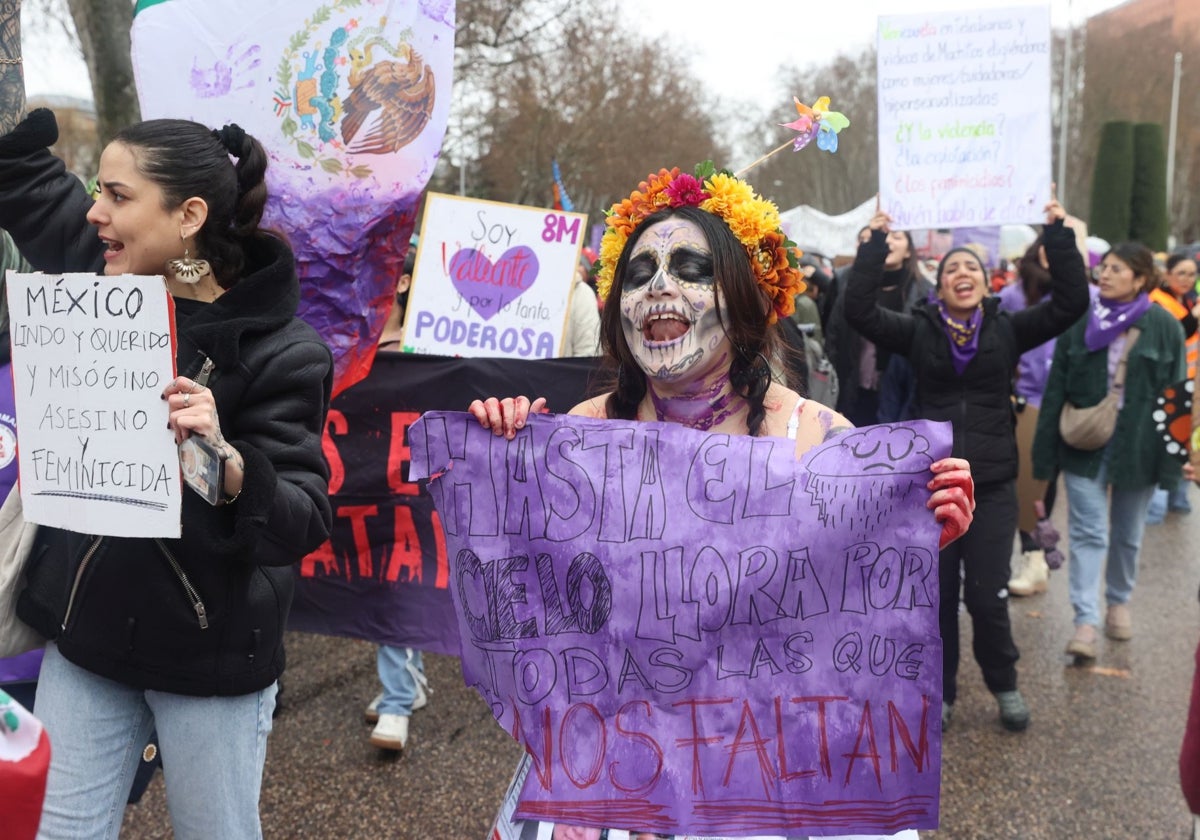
point(419, 702)
point(391, 733)
point(372, 712)
point(1033, 575)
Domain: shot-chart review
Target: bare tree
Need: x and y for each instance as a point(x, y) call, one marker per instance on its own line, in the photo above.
point(492, 37)
point(1071, 110)
point(99, 29)
point(103, 30)
point(609, 116)
point(832, 183)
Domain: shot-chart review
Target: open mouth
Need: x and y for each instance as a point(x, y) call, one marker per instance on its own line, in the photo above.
point(664, 327)
point(964, 288)
point(112, 247)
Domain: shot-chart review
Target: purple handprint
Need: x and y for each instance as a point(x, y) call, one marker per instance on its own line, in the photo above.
point(211, 82)
point(439, 11)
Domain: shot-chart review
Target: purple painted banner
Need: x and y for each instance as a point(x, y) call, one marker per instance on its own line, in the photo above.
point(696, 633)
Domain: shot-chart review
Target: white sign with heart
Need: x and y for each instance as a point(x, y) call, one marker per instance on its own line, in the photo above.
point(492, 279)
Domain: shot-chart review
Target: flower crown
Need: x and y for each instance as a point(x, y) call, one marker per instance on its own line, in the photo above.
point(753, 219)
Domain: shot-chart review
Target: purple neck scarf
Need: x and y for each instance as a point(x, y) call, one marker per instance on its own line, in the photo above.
point(963, 335)
point(1107, 320)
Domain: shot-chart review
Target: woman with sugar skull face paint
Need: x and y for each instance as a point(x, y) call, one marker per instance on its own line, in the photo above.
point(964, 353)
point(694, 273)
point(671, 320)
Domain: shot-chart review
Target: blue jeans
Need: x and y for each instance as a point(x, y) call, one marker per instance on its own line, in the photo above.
point(1098, 529)
point(1176, 500)
point(400, 669)
point(213, 751)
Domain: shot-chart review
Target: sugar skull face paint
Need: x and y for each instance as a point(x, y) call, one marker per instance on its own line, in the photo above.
point(669, 303)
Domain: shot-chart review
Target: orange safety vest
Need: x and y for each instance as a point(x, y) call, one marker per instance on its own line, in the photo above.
point(1192, 345)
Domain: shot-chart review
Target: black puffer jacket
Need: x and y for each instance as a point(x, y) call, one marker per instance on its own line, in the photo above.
point(133, 613)
point(844, 343)
point(979, 402)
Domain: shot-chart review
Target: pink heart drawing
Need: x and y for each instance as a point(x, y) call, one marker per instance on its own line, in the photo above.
point(488, 286)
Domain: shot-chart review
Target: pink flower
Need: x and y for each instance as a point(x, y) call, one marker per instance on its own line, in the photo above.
point(686, 191)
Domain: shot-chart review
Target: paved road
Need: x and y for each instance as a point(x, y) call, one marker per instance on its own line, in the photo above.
point(1098, 761)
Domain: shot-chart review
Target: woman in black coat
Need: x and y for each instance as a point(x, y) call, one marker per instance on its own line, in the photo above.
point(964, 353)
point(185, 635)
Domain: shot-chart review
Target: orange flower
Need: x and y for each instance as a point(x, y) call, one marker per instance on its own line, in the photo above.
point(775, 275)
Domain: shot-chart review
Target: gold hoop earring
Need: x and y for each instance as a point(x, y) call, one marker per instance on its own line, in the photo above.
point(186, 270)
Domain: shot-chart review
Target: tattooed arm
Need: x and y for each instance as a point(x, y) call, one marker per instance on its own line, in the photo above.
point(12, 75)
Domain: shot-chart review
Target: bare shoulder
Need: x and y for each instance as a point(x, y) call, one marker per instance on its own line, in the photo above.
point(818, 423)
point(593, 407)
point(779, 403)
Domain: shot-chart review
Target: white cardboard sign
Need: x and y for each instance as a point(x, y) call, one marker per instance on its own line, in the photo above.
point(91, 357)
point(491, 279)
point(964, 117)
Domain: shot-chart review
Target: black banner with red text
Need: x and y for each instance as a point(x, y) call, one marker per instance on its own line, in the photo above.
point(383, 575)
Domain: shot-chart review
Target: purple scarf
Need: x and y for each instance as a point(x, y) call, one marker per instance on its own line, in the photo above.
point(963, 335)
point(1107, 320)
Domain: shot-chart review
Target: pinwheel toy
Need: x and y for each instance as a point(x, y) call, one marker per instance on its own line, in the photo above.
point(816, 122)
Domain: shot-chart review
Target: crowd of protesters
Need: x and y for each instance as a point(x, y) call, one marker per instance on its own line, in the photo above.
point(1007, 364)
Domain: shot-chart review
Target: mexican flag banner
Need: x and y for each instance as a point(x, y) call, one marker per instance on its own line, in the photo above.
point(350, 99)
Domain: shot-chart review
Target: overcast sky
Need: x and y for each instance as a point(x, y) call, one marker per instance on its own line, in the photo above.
point(737, 47)
point(739, 54)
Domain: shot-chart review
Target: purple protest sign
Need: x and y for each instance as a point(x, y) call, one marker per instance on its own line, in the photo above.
point(695, 633)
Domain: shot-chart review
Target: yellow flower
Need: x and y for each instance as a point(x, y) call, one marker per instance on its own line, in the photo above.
point(611, 247)
point(752, 220)
point(725, 193)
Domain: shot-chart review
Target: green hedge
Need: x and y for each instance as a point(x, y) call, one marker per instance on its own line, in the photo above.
point(1112, 184)
point(1149, 222)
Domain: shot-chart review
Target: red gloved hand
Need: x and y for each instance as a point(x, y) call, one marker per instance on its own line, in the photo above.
point(953, 498)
